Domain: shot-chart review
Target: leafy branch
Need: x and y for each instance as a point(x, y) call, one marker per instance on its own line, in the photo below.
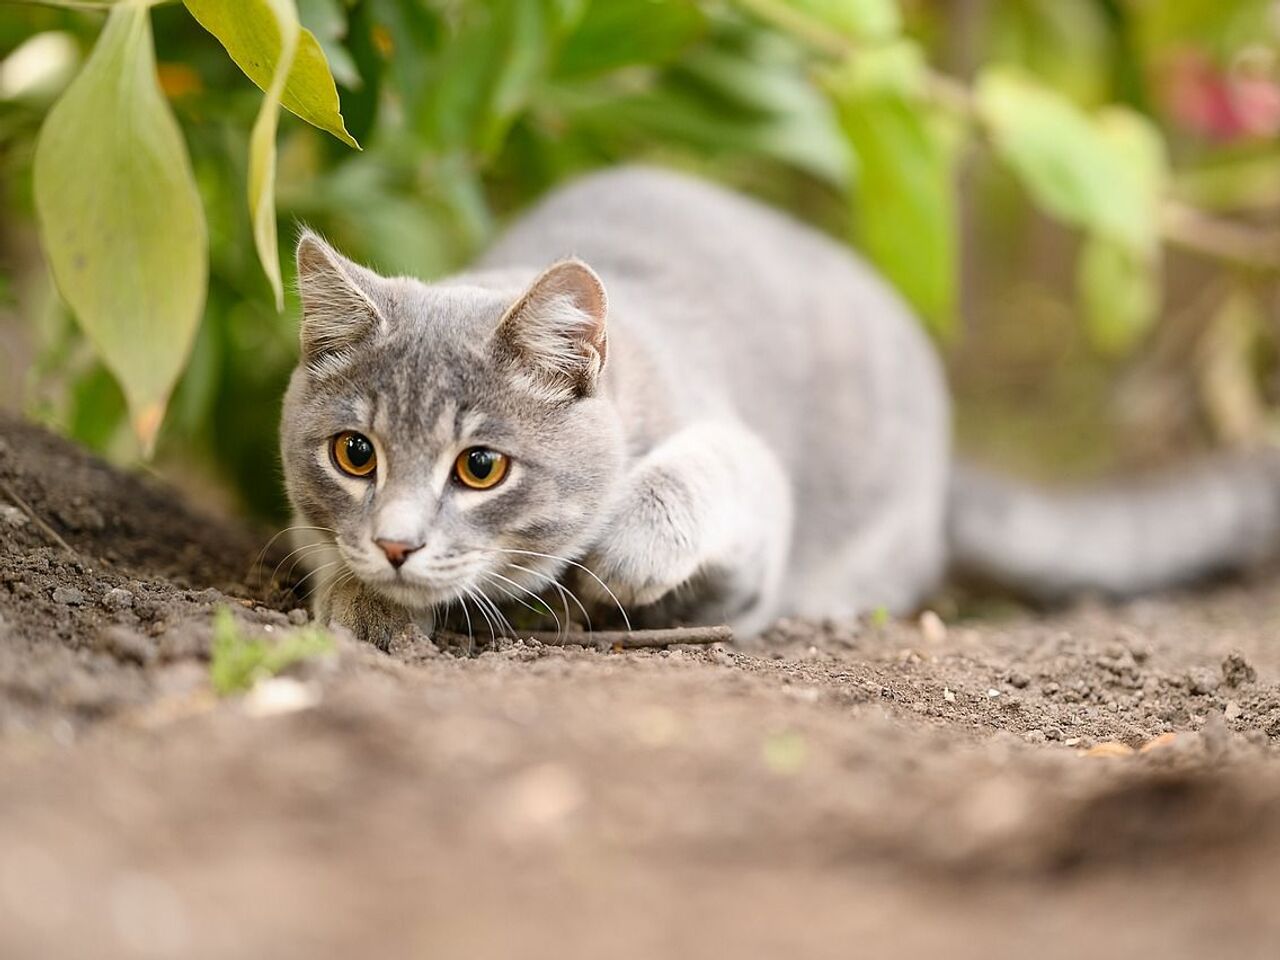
point(1106, 172)
point(125, 236)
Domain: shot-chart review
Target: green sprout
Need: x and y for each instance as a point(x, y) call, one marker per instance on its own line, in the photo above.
point(238, 662)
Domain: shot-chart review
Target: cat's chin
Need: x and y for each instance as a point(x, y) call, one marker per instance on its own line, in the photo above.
point(415, 596)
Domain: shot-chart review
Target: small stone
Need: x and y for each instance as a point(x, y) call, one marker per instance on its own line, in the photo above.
point(1035, 736)
point(298, 616)
point(1019, 680)
point(992, 693)
point(1073, 741)
point(70, 596)
point(1202, 682)
point(932, 627)
point(1232, 711)
point(279, 695)
point(1236, 670)
point(12, 516)
point(117, 598)
point(948, 695)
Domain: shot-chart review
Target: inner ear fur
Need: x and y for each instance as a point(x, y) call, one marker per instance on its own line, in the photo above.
point(556, 329)
point(336, 312)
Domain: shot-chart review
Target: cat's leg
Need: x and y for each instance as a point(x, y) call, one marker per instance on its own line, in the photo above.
point(370, 617)
point(702, 530)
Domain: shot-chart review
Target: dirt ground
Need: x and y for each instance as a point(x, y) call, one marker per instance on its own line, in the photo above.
point(859, 789)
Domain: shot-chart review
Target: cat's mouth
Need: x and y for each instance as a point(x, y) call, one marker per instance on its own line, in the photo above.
point(419, 587)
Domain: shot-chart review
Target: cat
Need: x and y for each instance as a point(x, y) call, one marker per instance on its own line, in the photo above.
point(690, 406)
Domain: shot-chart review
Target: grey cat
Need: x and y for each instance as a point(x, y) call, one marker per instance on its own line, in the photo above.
point(707, 413)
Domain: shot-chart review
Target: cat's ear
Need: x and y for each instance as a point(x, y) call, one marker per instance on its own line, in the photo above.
point(556, 330)
point(337, 310)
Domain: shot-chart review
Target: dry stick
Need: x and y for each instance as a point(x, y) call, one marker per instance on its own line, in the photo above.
point(617, 639)
point(635, 639)
point(35, 518)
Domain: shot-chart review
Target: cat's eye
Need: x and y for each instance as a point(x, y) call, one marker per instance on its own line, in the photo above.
point(354, 454)
point(480, 468)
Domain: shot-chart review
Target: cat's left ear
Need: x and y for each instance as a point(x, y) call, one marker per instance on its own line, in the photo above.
point(338, 309)
point(556, 330)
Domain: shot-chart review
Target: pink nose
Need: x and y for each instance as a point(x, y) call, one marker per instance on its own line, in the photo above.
point(397, 551)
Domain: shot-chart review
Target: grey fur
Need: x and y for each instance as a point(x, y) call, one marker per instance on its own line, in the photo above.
point(758, 428)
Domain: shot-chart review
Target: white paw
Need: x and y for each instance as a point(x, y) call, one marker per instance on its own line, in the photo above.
point(650, 549)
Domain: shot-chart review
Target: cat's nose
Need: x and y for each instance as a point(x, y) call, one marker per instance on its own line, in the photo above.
point(397, 551)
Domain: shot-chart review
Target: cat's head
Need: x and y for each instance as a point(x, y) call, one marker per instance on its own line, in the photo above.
point(446, 436)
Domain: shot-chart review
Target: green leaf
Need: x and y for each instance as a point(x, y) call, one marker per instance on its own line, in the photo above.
point(121, 219)
point(1119, 291)
point(262, 150)
point(250, 31)
point(904, 204)
point(486, 73)
point(620, 33)
point(864, 20)
point(1104, 173)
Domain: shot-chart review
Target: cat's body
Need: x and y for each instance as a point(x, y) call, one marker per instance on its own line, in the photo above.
point(758, 428)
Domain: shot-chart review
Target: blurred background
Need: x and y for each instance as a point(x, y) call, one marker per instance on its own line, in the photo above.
point(1080, 197)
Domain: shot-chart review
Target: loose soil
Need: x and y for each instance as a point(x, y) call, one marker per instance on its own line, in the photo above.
point(1012, 784)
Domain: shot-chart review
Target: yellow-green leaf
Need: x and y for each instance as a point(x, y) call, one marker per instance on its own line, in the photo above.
point(1119, 291)
point(250, 32)
point(121, 219)
point(864, 20)
point(904, 198)
point(1101, 172)
point(262, 150)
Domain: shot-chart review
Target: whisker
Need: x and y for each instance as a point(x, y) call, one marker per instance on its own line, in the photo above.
point(301, 552)
point(565, 592)
point(324, 566)
point(545, 606)
point(587, 570)
point(471, 639)
point(263, 552)
point(493, 636)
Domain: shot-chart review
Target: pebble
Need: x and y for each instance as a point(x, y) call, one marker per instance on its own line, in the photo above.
point(117, 598)
point(1035, 736)
point(932, 627)
point(1232, 710)
point(298, 616)
point(1237, 670)
point(13, 516)
point(71, 596)
point(1202, 682)
point(948, 695)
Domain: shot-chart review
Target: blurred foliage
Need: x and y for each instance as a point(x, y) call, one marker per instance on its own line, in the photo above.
point(1134, 124)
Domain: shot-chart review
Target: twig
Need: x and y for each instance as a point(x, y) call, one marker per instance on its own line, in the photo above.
point(634, 639)
point(1198, 232)
point(614, 639)
point(35, 518)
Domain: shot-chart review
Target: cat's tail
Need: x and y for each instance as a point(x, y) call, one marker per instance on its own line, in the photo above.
point(1219, 516)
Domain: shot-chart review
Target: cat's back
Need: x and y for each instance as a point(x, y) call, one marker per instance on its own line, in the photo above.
point(741, 299)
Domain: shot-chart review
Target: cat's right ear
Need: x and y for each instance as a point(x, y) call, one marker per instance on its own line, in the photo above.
point(337, 313)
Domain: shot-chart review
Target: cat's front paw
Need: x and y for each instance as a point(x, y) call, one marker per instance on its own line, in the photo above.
point(650, 549)
point(370, 617)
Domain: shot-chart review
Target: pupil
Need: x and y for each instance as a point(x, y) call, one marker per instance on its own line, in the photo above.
point(359, 451)
point(480, 463)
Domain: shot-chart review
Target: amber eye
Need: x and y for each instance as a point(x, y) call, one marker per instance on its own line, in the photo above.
point(480, 468)
point(354, 454)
